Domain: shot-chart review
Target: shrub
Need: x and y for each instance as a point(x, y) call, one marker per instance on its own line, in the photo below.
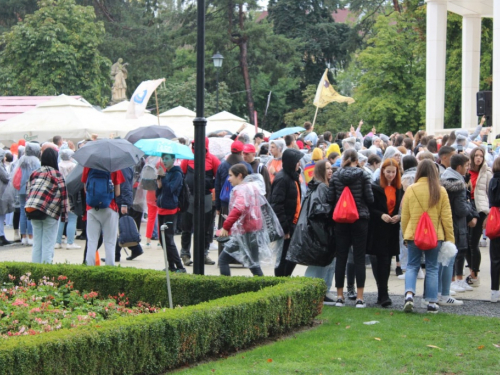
point(239, 312)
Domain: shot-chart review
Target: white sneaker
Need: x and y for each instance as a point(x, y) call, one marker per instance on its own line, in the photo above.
point(146, 246)
point(420, 274)
point(214, 246)
point(473, 282)
point(402, 277)
point(449, 301)
point(495, 295)
point(455, 286)
point(72, 246)
point(463, 284)
point(24, 241)
point(30, 241)
point(57, 246)
point(452, 293)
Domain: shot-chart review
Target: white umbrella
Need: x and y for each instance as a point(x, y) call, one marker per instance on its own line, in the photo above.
point(62, 115)
point(180, 120)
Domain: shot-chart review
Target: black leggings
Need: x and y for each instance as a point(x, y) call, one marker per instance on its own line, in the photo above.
point(381, 267)
point(174, 261)
point(473, 254)
point(285, 268)
point(495, 263)
point(348, 235)
point(458, 267)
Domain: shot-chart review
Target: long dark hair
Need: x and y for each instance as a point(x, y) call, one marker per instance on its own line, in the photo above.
point(427, 168)
point(473, 166)
point(348, 157)
point(320, 171)
point(49, 158)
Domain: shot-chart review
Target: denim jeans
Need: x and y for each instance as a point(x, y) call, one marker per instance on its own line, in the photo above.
point(403, 251)
point(25, 226)
point(70, 230)
point(44, 239)
point(326, 273)
point(2, 230)
point(431, 270)
point(445, 275)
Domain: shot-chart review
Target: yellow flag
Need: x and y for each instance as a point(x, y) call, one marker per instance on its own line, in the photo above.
point(326, 93)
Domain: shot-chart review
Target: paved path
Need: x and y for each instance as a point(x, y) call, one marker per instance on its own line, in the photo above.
point(153, 259)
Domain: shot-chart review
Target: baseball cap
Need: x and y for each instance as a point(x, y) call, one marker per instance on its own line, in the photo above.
point(236, 146)
point(249, 148)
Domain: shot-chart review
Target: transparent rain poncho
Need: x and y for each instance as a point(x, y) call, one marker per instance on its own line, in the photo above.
point(256, 237)
point(29, 162)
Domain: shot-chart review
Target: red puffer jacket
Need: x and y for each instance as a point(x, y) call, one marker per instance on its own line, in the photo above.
point(245, 214)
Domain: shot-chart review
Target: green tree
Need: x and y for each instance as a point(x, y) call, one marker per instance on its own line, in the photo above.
point(391, 90)
point(54, 51)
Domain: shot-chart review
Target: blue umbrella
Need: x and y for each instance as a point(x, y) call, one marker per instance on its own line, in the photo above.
point(286, 131)
point(159, 146)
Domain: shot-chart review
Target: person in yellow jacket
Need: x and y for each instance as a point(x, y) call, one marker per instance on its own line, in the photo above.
point(425, 195)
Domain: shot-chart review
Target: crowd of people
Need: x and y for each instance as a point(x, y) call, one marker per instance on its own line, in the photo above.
point(334, 205)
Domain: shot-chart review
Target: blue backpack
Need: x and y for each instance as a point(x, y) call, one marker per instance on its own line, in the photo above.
point(225, 192)
point(100, 189)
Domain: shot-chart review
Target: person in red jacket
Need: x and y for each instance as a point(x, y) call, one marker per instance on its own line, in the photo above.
point(187, 219)
point(243, 223)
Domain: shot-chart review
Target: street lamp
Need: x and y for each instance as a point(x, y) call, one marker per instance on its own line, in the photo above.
point(217, 59)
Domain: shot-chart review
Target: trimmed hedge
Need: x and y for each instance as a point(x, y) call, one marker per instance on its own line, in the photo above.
point(241, 311)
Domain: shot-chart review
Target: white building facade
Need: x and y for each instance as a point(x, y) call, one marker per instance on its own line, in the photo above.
point(472, 12)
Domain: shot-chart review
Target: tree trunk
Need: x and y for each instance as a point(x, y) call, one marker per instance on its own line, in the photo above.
point(246, 78)
point(396, 6)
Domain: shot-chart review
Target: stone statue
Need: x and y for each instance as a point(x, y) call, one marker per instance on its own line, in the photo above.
point(119, 76)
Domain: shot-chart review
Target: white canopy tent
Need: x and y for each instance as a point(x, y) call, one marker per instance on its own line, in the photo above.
point(227, 121)
point(62, 115)
point(180, 120)
point(119, 111)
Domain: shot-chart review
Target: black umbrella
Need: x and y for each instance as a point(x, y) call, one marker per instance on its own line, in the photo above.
point(108, 155)
point(74, 180)
point(150, 132)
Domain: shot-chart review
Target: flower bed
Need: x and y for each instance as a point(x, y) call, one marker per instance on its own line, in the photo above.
point(238, 312)
point(31, 308)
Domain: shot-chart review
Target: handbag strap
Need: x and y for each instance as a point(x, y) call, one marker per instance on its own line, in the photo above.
point(439, 217)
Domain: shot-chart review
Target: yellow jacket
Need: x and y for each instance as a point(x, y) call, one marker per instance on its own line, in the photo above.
point(412, 211)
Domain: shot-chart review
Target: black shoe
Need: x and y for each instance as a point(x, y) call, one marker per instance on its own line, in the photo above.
point(328, 301)
point(133, 256)
point(81, 237)
point(351, 292)
point(399, 271)
point(154, 238)
point(386, 302)
point(4, 241)
point(432, 308)
point(180, 270)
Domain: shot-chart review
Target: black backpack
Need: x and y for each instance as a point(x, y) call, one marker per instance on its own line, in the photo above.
point(184, 196)
point(129, 235)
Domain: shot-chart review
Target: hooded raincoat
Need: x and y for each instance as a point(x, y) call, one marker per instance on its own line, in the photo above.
point(313, 243)
point(256, 236)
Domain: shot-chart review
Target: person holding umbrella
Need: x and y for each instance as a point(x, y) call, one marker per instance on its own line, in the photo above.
point(103, 161)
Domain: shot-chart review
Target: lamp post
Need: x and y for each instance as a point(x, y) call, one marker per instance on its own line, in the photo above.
point(200, 124)
point(217, 59)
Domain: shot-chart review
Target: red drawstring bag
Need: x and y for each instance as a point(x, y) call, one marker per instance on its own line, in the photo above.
point(16, 182)
point(346, 210)
point(425, 235)
point(493, 223)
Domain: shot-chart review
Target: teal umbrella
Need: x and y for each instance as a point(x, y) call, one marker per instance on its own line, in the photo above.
point(159, 146)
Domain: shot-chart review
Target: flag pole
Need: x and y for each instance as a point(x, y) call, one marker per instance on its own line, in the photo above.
point(316, 114)
point(157, 110)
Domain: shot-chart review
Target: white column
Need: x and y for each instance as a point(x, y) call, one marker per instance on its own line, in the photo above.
point(496, 67)
point(436, 64)
point(471, 60)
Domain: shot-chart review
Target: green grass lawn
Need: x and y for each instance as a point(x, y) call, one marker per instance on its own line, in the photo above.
point(396, 345)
